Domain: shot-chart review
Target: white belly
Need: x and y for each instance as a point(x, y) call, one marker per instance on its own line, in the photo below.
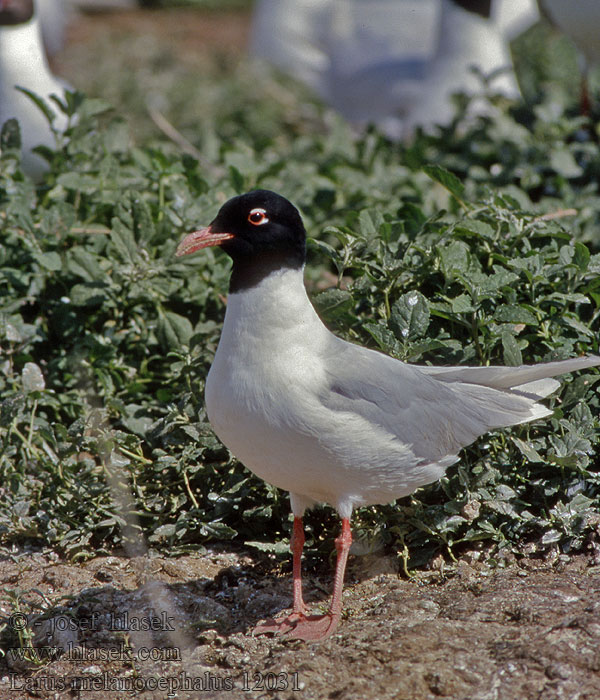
point(265, 401)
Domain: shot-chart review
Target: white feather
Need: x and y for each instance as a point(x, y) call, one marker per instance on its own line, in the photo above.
point(333, 422)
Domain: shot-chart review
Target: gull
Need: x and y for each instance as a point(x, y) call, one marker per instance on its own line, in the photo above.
point(395, 63)
point(327, 420)
point(23, 63)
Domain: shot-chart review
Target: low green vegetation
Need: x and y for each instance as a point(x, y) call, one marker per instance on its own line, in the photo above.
point(477, 245)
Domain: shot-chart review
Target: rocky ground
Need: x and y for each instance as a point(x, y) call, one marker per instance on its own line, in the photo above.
point(114, 627)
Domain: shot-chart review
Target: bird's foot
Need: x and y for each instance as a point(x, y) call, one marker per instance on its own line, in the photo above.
point(313, 628)
point(309, 628)
point(281, 625)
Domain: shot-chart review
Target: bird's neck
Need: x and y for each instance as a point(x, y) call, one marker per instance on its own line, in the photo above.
point(249, 273)
point(22, 57)
point(276, 307)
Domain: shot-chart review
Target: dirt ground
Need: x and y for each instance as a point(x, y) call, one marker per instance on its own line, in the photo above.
point(154, 627)
point(186, 31)
point(115, 628)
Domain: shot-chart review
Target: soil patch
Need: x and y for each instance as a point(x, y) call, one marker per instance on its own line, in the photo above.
point(114, 627)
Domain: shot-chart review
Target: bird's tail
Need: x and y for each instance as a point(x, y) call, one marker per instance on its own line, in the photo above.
point(531, 380)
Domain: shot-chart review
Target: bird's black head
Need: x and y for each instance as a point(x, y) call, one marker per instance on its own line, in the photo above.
point(14, 12)
point(260, 230)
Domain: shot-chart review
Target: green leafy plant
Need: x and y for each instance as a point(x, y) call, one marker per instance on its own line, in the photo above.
point(479, 244)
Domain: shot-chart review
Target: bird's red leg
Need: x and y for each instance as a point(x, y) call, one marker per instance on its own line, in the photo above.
point(313, 628)
point(342, 546)
point(299, 625)
point(297, 547)
point(299, 611)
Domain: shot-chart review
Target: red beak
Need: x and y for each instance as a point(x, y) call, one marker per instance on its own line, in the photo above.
point(201, 239)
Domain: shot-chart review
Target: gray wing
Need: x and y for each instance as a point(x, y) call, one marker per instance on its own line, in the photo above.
point(531, 379)
point(437, 411)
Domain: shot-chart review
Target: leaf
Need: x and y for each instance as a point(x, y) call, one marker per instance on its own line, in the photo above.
point(474, 226)
point(511, 351)
point(511, 313)
point(163, 532)
point(563, 161)
point(10, 136)
point(419, 348)
point(218, 530)
point(142, 219)
point(85, 265)
point(270, 547)
point(237, 179)
point(409, 317)
point(76, 102)
point(550, 537)
point(500, 278)
point(124, 241)
point(333, 303)
point(527, 450)
point(136, 419)
point(383, 337)
point(594, 263)
point(413, 217)
point(40, 103)
point(447, 180)
point(462, 304)
point(455, 257)
point(88, 294)
point(78, 182)
point(50, 261)
point(581, 256)
point(174, 330)
point(90, 106)
point(532, 263)
point(32, 378)
point(577, 325)
point(573, 297)
point(370, 222)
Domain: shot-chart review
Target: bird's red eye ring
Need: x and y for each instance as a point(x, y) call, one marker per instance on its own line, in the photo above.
point(258, 216)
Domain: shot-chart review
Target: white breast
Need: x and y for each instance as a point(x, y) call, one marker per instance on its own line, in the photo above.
point(265, 375)
point(265, 400)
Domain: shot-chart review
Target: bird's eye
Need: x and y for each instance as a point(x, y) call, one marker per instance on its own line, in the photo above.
point(258, 217)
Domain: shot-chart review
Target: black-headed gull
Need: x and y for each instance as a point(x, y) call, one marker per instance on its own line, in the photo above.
point(327, 420)
point(23, 62)
point(395, 63)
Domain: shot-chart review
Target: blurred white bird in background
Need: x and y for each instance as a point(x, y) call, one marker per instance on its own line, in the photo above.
point(53, 16)
point(472, 33)
point(392, 62)
point(23, 63)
